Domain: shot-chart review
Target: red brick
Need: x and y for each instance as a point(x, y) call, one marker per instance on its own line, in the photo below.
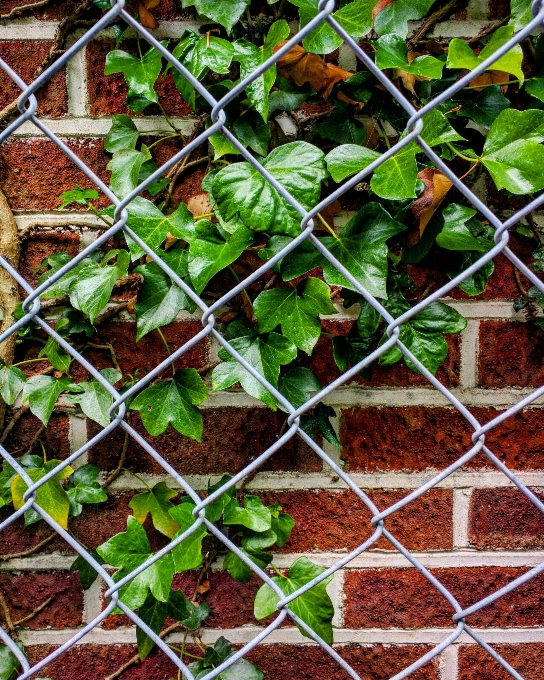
point(403, 598)
point(107, 94)
point(55, 438)
point(476, 664)
point(250, 432)
point(43, 244)
point(419, 437)
point(332, 520)
point(505, 518)
point(34, 172)
point(511, 354)
point(56, 10)
point(25, 592)
point(24, 59)
point(399, 375)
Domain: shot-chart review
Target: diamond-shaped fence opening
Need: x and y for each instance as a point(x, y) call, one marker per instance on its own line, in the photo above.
point(414, 132)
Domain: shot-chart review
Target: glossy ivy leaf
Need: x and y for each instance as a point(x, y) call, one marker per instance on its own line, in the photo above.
point(214, 656)
point(56, 356)
point(297, 385)
point(77, 195)
point(8, 663)
point(512, 152)
point(476, 283)
point(396, 178)
point(361, 247)
point(159, 300)
point(342, 126)
point(123, 134)
point(91, 288)
point(224, 12)
point(140, 75)
point(215, 509)
point(314, 606)
point(282, 524)
point(188, 554)
point(395, 16)
point(250, 57)
point(455, 234)
point(83, 487)
point(460, 55)
point(51, 496)
point(125, 168)
point(237, 568)
point(153, 612)
point(12, 381)
point(41, 392)
point(94, 399)
point(484, 107)
point(239, 188)
point(349, 159)
point(265, 354)
point(157, 503)
point(296, 310)
point(354, 17)
point(288, 96)
point(251, 131)
point(210, 252)
point(56, 262)
point(521, 13)
point(173, 401)
point(392, 52)
point(535, 87)
point(254, 515)
point(87, 573)
point(127, 551)
point(438, 317)
point(319, 422)
point(184, 611)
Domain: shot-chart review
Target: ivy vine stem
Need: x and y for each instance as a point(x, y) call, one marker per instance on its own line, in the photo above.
point(459, 154)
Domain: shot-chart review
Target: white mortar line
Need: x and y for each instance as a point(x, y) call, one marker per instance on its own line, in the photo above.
point(335, 589)
point(92, 601)
point(76, 84)
point(478, 9)
point(461, 508)
point(375, 559)
point(449, 663)
point(28, 29)
point(55, 219)
point(469, 355)
point(99, 127)
point(77, 436)
point(291, 636)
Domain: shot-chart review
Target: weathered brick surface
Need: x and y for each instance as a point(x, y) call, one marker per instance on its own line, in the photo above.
point(330, 520)
point(33, 172)
point(107, 94)
point(43, 244)
point(403, 598)
point(232, 438)
point(505, 518)
point(55, 437)
point(476, 664)
point(25, 592)
point(419, 437)
point(24, 59)
point(511, 354)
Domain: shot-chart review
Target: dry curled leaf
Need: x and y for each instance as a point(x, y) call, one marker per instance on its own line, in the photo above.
point(203, 588)
point(199, 205)
point(490, 78)
point(437, 186)
point(146, 18)
point(301, 67)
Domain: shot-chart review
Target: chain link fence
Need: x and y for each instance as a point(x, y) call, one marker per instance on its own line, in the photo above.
point(27, 106)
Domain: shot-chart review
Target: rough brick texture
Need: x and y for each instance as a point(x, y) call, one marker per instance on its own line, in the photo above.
point(476, 664)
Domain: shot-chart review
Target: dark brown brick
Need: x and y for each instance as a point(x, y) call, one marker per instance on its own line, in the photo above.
point(511, 354)
point(24, 59)
point(329, 520)
point(403, 598)
point(55, 437)
point(505, 518)
point(24, 593)
point(43, 244)
point(476, 664)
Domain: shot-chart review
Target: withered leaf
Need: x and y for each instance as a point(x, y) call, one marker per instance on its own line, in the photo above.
point(437, 186)
point(146, 18)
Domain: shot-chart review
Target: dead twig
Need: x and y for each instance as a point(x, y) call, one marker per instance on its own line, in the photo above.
point(16, 416)
point(120, 465)
point(108, 347)
point(30, 551)
point(17, 11)
point(7, 616)
point(431, 21)
point(32, 614)
point(208, 367)
point(488, 29)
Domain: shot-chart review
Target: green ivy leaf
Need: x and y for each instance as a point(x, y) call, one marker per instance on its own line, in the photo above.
point(157, 502)
point(395, 17)
point(77, 195)
point(127, 551)
point(354, 17)
point(140, 75)
point(159, 300)
point(123, 134)
point(288, 97)
point(483, 107)
point(8, 663)
point(215, 509)
point(521, 13)
point(153, 612)
point(254, 515)
point(474, 284)
point(298, 384)
point(535, 87)
point(251, 131)
point(87, 574)
point(51, 496)
point(342, 126)
point(83, 487)
point(392, 52)
point(319, 422)
point(239, 188)
point(12, 381)
point(237, 568)
point(296, 310)
point(282, 525)
point(460, 55)
point(184, 611)
point(211, 252)
point(41, 392)
point(224, 12)
point(214, 656)
point(173, 401)
point(455, 234)
point(265, 355)
point(314, 606)
point(94, 399)
point(349, 159)
point(125, 168)
point(512, 152)
point(56, 356)
point(188, 554)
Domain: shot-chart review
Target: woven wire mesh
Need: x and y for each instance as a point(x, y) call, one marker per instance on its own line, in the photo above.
point(27, 105)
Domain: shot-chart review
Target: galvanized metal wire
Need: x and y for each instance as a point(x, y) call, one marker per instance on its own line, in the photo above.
point(27, 105)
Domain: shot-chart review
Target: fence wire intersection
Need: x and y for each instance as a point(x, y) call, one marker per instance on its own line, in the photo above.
point(28, 106)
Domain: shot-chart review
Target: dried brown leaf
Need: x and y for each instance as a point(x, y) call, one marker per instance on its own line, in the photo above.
point(146, 18)
point(437, 186)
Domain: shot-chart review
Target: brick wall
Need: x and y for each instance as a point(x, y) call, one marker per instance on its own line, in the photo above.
point(474, 531)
